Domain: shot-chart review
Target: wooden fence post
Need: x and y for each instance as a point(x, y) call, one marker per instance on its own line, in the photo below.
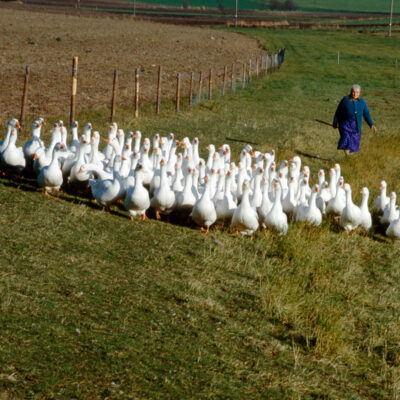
point(224, 81)
point(232, 76)
point(250, 62)
point(136, 92)
point(257, 62)
point(200, 84)
point(73, 90)
point(114, 95)
point(24, 97)
point(191, 89)
point(210, 85)
point(178, 92)
point(158, 90)
point(244, 75)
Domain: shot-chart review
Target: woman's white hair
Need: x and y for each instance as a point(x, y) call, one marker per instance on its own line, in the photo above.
point(355, 87)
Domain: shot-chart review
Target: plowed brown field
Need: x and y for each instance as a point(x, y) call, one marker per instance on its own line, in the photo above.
point(103, 43)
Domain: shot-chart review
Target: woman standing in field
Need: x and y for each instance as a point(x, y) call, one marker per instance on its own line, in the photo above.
point(348, 118)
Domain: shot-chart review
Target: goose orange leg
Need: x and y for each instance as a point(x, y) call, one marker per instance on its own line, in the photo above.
point(143, 217)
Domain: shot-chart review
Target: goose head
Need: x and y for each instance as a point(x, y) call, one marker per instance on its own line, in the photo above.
point(36, 127)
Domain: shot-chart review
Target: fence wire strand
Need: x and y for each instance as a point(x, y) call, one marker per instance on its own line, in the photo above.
point(95, 86)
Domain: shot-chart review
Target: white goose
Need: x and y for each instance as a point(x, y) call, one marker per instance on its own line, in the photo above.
point(156, 179)
point(227, 205)
point(177, 184)
point(147, 165)
point(366, 219)
point(332, 183)
point(266, 203)
point(310, 213)
point(164, 199)
point(276, 218)
point(289, 202)
point(204, 213)
point(13, 123)
point(95, 156)
point(51, 177)
point(256, 198)
point(137, 199)
point(245, 218)
point(108, 150)
point(12, 158)
point(336, 204)
point(172, 157)
point(34, 144)
point(382, 200)
point(391, 212)
point(350, 218)
point(186, 199)
point(302, 198)
point(136, 144)
point(323, 197)
point(74, 145)
point(107, 191)
point(95, 172)
point(74, 175)
point(393, 229)
point(43, 157)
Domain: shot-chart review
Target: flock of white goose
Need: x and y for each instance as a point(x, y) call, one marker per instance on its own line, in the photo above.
point(248, 195)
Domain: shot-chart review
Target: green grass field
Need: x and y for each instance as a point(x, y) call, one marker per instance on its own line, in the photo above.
point(305, 5)
point(93, 306)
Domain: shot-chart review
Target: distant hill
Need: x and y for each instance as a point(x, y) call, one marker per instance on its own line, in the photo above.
point(381, 6)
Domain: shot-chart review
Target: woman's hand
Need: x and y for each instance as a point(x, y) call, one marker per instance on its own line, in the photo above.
point(373, 128)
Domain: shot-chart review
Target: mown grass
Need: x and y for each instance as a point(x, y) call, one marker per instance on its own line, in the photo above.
point(93, 306)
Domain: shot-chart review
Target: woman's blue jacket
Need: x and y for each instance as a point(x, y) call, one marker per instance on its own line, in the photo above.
point(348, 108)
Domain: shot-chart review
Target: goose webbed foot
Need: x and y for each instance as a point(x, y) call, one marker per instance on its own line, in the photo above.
point(143, 217)
point(205, 230)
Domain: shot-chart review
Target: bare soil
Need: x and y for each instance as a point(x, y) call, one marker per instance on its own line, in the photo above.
point(48, 41)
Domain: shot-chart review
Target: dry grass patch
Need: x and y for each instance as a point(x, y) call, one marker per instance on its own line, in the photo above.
point(102, 45)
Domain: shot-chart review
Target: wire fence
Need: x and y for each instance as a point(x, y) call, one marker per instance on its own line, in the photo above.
point(47, 90)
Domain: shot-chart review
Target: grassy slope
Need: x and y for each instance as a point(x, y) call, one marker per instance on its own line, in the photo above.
point(93, 306)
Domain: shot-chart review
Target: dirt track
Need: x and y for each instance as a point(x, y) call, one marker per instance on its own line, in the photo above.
point(48, 41)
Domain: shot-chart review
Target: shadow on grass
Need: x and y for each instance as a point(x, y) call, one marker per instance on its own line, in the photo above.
point(301, 153)
point(19, 182)
point(80, 194)
point(284, 333)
